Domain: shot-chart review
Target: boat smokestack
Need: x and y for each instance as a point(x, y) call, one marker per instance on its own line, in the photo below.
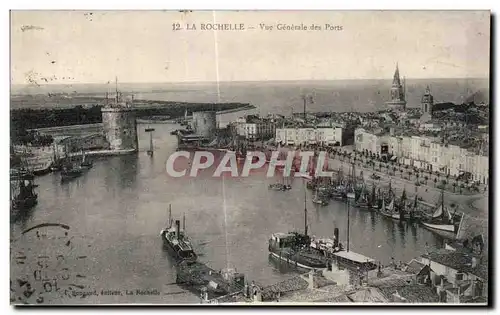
point(335, 238)
point(178, 228)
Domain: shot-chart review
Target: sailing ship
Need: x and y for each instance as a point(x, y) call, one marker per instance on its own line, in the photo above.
point(415, 213)
point(85, 164)
point(389, 211)
point(150, 131)
point(373, 201)
point(70, 169)
point(184, 122)
point(295, 248)
point(57, 161)
point(177, 242)
point(23, 195)
point(363, 199)
point(320, 197)
point(442, 219)
point(338, 191)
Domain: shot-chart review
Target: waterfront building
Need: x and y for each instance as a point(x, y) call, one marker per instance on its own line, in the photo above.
point(326, 136)
point(425, 152)
point(255, 128)
point(398, 100)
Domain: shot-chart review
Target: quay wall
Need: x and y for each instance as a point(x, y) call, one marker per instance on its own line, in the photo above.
point(72, 130)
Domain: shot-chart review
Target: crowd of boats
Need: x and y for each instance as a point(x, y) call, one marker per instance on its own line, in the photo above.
point(23, 195)
point(300, 250)
point(353, 189)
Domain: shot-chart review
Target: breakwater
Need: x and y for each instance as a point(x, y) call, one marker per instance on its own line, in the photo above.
point(90, 112)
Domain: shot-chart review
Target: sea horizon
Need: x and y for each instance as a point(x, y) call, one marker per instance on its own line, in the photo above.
point(273, 96)
point(112, 82)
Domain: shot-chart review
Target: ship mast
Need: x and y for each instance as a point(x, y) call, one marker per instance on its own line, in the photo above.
point(305, 210)
point(170, 215)
point(305, 98)
point(348, 222)
point(116, 89)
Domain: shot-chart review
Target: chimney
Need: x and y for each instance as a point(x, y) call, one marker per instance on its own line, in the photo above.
point(336, 238)
point(178, 228)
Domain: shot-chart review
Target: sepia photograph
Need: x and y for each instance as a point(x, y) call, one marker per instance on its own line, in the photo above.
point(190, 157)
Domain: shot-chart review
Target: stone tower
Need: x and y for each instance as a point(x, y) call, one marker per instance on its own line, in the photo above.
point(426, 104)
point(205, 123)
point(398, 101)
point(119, 125)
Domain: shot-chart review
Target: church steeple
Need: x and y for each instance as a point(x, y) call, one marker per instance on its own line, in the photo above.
point(396, 81)
point(397, 92)
point(427, 104)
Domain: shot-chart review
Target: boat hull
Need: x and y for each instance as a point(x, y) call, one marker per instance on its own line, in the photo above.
point(177, 254)
point(320, 202)
point(440, 227)
point(295, 261)
point(71, 175)
point(26, 203)
point(395, 216)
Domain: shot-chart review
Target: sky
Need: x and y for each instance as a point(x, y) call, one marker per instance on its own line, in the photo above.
point(68, 47)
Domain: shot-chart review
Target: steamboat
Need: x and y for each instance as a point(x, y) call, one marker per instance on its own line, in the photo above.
point(177, 242)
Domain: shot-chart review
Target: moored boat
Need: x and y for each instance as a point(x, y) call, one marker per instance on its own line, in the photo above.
point(69, 172)
point(177, 242)
point(294, 249)
point(442, 220)
point(85, 164)
point(389, 211)
point(23, 195)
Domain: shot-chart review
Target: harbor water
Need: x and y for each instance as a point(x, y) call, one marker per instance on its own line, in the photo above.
point(117, 209)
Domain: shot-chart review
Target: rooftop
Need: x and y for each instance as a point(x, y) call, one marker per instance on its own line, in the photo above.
point(354, 256)
point(460, 261)
point(315, 295)
point(413, 293)
point(368, 294)
point(414, 266)
point(294, 284)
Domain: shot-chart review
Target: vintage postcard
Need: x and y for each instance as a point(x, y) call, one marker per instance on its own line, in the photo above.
point(249, 157)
